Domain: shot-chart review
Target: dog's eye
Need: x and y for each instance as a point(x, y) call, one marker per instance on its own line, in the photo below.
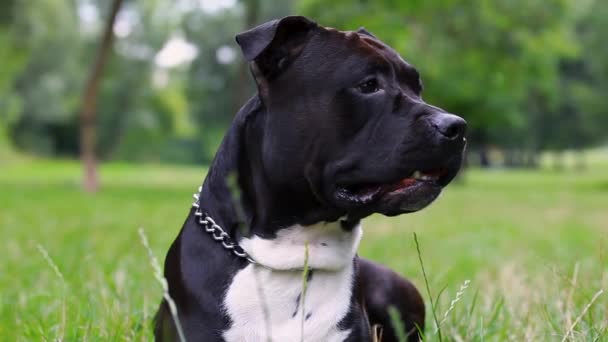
point(368, 86)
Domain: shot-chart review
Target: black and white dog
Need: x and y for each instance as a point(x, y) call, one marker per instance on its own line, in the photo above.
point(337, 131)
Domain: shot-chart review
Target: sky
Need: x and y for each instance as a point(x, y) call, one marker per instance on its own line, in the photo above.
point(177, 50)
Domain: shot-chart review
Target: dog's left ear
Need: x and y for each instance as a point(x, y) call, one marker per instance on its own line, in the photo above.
point(272, 46)
point(362, 30)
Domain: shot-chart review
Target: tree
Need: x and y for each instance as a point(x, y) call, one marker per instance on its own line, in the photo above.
point(89, 102)
point(13, 60)
point(217, 88)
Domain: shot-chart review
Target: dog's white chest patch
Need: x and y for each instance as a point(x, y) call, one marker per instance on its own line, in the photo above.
point(262, 301)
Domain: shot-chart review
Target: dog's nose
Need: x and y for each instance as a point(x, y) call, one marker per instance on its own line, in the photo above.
point(451, 126)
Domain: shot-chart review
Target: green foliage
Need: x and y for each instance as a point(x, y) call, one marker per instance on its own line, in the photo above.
point(527, 75)
point(48, 85)
point(212, 83)
point(13, 57)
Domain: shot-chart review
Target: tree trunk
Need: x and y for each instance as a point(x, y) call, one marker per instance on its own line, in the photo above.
point(531, 159)
point(89, 103)
point(484, 157)
point(509, 158)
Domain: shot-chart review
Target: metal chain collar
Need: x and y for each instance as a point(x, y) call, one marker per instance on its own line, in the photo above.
point(216, 231)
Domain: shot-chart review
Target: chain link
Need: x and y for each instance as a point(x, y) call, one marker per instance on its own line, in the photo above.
point(216, 232)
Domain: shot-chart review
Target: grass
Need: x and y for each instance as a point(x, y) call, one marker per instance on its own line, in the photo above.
point(532, 244)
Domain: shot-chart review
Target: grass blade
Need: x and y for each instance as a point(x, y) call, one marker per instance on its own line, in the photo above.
point(158, 274)
point(55, 268)
point(397, 324)
point(305, 273)
point(428, 288)
point(571, 329)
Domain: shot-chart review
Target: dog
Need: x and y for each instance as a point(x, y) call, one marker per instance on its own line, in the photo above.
point(336, 132)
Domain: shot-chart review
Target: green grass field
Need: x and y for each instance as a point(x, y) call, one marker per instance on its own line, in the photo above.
point(533, 245)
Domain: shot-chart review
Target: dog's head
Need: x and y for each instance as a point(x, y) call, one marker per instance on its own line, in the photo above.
point(346, 119)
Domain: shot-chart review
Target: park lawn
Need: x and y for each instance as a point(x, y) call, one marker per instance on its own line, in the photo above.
point(531, 246)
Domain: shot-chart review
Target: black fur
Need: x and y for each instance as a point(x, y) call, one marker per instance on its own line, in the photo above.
point(337, 113)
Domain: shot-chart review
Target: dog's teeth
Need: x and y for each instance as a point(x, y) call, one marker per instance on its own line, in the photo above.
point(417, 174)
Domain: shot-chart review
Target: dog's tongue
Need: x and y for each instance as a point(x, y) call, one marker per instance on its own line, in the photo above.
point(402, 184)
point(371, 190)
point(405, 182)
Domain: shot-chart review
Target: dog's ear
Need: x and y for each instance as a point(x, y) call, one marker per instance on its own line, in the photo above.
point(272, 46)
point(362, 30)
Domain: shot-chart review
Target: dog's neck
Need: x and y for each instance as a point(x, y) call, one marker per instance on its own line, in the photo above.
point(221, 189)
point(237, 195)
point(323, 246)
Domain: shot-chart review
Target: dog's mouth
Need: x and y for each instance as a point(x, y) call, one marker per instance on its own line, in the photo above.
point(411, 193)
point(367, 192)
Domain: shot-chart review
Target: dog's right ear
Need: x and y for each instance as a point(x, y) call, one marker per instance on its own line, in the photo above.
point(272, 46)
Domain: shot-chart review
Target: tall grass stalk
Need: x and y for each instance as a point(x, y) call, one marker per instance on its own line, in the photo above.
point(569, 299)
point(428, 288)
point(571, 329)
point(456, 299)
point(55, 268)
point(158, 274)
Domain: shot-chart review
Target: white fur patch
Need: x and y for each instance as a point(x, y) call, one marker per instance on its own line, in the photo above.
point(329, 247)
point(266, 300)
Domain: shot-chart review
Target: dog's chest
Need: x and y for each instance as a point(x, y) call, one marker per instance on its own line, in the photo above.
point(260, 302)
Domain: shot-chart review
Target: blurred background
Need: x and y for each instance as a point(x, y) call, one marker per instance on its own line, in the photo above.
point(528, 76)
point(142, 91)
